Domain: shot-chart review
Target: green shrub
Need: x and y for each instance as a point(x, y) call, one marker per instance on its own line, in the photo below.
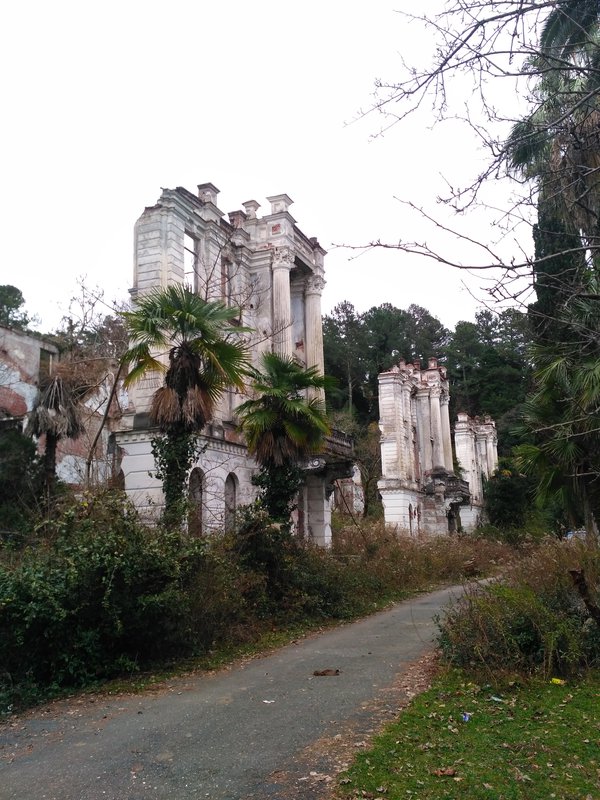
point(20, 485)
point(299, 580)
point(322, 586)
point(103, 595)
point(508, 497)
point(533, 621)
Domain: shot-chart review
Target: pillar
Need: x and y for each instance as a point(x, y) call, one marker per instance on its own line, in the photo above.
point(492, 446)
point(388, 424)
point(447, 436)
point(319, 510)
point(436, 427)
point(407, 443)
point(283, 260)
point(424, 429)
point(313, 327)
point(480, 460)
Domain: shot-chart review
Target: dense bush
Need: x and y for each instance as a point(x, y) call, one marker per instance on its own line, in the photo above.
point(300, 580)
point(534, 620)
point(508, 497)
point(20, 485)
point(102, 595)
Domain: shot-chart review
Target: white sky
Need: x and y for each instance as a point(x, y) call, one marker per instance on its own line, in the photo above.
point(105, 103)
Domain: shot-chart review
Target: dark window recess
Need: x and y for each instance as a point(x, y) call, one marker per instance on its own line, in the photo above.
point(46, 363)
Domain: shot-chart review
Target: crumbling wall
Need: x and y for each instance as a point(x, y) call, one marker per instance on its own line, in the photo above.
point(272, 276)
point(419, 488)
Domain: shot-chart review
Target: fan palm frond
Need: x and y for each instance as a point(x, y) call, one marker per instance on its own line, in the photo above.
point(280, 425)
point(205, 354)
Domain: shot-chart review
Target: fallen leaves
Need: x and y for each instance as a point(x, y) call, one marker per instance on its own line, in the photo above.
point(444, 772)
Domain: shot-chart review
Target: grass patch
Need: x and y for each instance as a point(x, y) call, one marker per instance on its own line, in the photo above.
point(536, 740)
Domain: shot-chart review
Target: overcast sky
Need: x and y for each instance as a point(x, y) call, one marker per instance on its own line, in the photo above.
point(105, 103)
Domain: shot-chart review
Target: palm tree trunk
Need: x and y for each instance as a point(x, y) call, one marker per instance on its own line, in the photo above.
point(50, 461)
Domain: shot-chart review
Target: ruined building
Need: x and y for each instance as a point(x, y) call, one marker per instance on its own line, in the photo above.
point(475, 444)
point(272, 276)
point(26, 361)
point(422, 488)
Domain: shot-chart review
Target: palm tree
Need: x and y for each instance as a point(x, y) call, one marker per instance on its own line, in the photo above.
point(569, 29)
point(563, 415)
point(56, 416)
point(557, 144)
point(282, 428)
point(558, 148)
point(205, 356)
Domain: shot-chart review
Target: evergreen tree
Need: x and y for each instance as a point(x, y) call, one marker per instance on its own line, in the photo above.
point(12, 314)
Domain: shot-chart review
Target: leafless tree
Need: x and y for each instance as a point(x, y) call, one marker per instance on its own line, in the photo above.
point(523, 77)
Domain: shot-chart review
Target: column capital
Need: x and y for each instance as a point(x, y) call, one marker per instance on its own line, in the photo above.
point(315, 284)
point(283, 258)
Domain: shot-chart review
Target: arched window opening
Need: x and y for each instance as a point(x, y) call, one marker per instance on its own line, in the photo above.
point(231, 493)
point(196, 491)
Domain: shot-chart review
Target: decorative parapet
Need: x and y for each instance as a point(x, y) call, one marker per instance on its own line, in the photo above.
point(339, 443)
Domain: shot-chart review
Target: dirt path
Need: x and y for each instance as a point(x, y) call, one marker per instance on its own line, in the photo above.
point(267, 728)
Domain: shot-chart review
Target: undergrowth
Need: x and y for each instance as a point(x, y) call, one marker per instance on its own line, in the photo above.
point(101, 595)
point(532, 621)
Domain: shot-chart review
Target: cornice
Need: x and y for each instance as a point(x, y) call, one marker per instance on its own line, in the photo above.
point(214, 443)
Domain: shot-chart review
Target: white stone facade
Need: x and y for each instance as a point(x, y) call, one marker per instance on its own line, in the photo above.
point(272, 275)
point(419, 489)
point(476, 445)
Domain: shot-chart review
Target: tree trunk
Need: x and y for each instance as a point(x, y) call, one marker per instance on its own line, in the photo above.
point(349, 376)
point(582, 587)
point(50, 462)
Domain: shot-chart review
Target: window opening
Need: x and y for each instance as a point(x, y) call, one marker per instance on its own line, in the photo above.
point(196, 497)
point(190, 260)
point(231, 490)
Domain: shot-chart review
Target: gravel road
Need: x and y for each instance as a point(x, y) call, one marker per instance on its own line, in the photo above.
point(266, 728)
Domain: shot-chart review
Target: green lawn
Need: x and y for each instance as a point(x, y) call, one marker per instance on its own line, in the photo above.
point(462, 740)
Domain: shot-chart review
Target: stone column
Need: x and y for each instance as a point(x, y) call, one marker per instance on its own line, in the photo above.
point(492, 446)
point(444, 403)
point(409, 453)
point(480, 461)
point(400, 427)
point(424, 430)
point(388, 424)
point(436, 427)
point(464, 446)
point(283, 260)
point(313, 327)
point(319, 510)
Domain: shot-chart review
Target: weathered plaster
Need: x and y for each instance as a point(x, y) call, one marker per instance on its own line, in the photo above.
point(419, 489)
point(273, 277)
